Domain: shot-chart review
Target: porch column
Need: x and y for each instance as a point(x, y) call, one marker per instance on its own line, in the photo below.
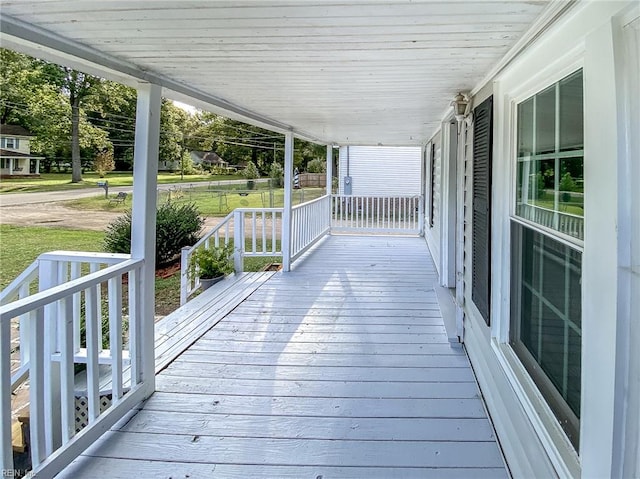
point(288, 197)
point(143, 219)
point(38, 166)
point(11, 160)
point(329, 168)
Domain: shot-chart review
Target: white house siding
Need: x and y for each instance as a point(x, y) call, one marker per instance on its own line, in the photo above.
point(588, 37)
point(380, 170)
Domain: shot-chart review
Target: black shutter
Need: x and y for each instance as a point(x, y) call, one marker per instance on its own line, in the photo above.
point(481, 229)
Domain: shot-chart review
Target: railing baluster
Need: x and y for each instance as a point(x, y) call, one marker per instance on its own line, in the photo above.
point(5, 405)
point(76, 272)
point(264, 232)
point(98, 305)
point(115, 335)
point(67, 396)
point(274, 219)
point(134, 334)
point(37, 388)
point(93, 338)
point(253, 232)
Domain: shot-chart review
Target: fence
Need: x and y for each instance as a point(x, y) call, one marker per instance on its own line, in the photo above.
point(75, 318)
point(377, 214)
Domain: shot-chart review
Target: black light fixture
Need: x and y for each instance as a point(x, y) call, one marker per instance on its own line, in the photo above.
point(460, 106)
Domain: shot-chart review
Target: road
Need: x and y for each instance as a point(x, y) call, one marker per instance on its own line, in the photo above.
point(21, 199)
point(46, 209)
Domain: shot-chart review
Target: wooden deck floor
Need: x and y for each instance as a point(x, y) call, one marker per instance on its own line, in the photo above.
point(339, 369)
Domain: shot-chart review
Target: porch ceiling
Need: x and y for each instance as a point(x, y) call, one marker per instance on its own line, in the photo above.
point(348, 72)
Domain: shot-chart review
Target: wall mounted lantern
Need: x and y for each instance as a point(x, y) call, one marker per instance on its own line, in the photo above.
point(461, 106)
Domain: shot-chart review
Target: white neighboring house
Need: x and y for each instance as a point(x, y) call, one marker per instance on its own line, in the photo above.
point(15, 152)
point(379, 170)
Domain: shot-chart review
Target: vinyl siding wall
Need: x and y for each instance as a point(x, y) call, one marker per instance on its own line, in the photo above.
point(381, 171)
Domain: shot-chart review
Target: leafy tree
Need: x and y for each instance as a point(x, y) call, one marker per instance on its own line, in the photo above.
point(104, 163)
point(251, 171)
point(276, 173)
point(317, 165)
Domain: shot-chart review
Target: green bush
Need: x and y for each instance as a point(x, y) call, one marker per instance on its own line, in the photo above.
point(251, 171)
point(276, 173)
point(317, 165)
point(176, 226)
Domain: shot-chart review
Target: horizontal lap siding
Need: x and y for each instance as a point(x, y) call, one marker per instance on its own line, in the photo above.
point(381, 171)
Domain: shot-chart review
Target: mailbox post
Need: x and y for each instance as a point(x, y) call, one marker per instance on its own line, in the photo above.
point(105, 185)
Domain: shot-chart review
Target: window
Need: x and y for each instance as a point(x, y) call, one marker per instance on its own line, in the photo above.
point(546, 296)
point(550, 180)
point(11, 143)
point(4, 163)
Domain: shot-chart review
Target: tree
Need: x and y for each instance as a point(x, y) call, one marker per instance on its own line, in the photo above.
point(104, 163)
point(79, 86)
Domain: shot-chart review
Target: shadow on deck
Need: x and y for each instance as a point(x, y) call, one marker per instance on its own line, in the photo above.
point(341, 368)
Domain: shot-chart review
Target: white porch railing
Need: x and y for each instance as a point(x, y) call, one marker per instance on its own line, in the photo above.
point(567, 223)
point(76, 317)
point(377, 214)
point(260, 230)
point(309, 222)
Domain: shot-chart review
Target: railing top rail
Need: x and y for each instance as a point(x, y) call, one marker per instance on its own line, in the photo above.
point(29, 274)
point(109, 258)
point(212, 231)
point(310, 202)
point(259, 210)
point(375, 196)
point(564, 213)
point(48, 296)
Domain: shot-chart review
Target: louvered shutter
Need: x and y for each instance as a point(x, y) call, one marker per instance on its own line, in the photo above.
point(481, 227)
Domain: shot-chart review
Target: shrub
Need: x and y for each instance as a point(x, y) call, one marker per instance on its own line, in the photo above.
point(177, 226)
point(317, 165)
point(251, 171)
point(104, 163)
point(212, 262)
point(276, 173)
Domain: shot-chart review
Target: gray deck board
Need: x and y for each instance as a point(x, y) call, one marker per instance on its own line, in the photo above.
point(341, 368)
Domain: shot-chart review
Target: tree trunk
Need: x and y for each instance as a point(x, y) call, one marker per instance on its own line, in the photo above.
point(76, 162)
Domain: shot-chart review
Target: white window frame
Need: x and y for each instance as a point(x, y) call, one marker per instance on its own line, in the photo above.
point(560, 450)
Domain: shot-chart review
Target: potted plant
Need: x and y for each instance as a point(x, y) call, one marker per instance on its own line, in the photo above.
point(212, 264)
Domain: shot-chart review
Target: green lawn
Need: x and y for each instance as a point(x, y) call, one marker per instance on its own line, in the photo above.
point(22, 245)
point(27, 243)
point(571, 208)
point(218, 201)
point(62, 181)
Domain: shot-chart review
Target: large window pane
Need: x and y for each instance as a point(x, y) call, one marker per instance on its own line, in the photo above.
point(571, 114)
point(550, 188)
point(545, 128)
point(546, 327)
point(525, 128)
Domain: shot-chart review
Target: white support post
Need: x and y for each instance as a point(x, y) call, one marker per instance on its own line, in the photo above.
point(143, 221)
point(329, 168)
point(288, 197)
point(329, 179)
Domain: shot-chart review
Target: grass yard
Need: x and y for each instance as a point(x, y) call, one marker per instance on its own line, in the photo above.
point(217, 201)
point(28, 242)
point(62, 181)
point(22, 245)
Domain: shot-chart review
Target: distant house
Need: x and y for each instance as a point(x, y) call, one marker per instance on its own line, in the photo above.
point(209, 159)
point(15, 152)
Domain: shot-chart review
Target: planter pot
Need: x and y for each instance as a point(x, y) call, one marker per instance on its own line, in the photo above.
point(251, 184)
point(206, 283)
